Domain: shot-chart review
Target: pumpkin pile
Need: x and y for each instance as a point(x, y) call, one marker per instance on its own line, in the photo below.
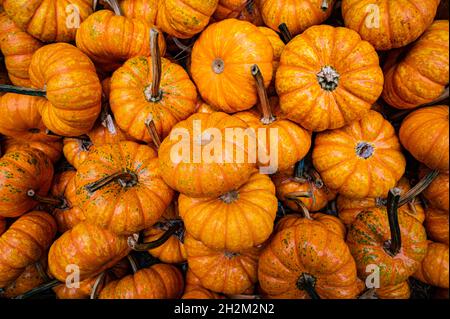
point(243, 149)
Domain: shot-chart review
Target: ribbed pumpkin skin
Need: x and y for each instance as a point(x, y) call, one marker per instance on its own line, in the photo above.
point(18, 47)
point(76, 150)
point(30, 278)
point(239, 44)
point(185, 18)
point(72, 86)
point(228, 9)
point(302, 98)
point(400, 291)
point(22, 122)
point(140, 9)
point(252, 13)
point(298, 15)
point(424, 133)
point(82, 292)
point(344, 168)
point(438, 192)
point(110, 40)
point(235, 226)
point(21, 171)
point(193, 288)
point(47, 20)
point(221, 271)
point(434, 268)
point(307, 247)
point(64, 187)
point(436, 224)
point(24, 243)
point(366, 238)
point(132, 107)
point(277, 45)
point(329, 222)
point(92, 248)
point(400, 21)
point(421, 75)
point(216, 178)
point(160, 281)
point(101, 135)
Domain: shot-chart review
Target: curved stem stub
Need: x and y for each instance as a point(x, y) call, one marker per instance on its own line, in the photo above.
point(393, 246)
point(134, 245)
point(285, 34)
point(307, 283)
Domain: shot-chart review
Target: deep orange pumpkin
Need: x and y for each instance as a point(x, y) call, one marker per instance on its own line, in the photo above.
point(140, 9)
point(194, 290)
point(330, 222)
point(437, 226)
point(400, 291)
point(438, 192)
point(434, 268)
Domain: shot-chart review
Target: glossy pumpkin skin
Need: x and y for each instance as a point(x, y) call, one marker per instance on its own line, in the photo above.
point(130, 97)
point(17, 47)
point(316, 106)
point(349, 208)
point(436, 224)
point(237, 45)
point(72, 86)
point(424, 133)
point(438, 192)
point(298, 15)
point(110, 40)
point(22, 122)
point(400, 22)
point(101, 134)
point(24, 243)
point(185, 18)
point(92, 248)
point(160, 281)
point(419, 75)
point(48, 20)
point(129, 209)
point(307, 247)
point(21, 171)
point(434, 268)
point(235, 221)
point(69, 215)
point(400, 291)
point(140, 9)
point(330, 222)
point(193, 288)
point(367, 236)
point(218, 176)
point(363, 159)
point(221, 271)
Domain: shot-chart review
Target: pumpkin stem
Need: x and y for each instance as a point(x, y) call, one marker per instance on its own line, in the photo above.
point(419, 187)
point(41, 271)
point(307, 283)
point(134, 245)
point(393, 245)
point(39, 289)
point(295, 197)
point(125, 179)
point(21, 90)
point(285, 34)
point(229, 197)
point(115, 6)
point(299, 169)
point(94, 5)
point(324, 5)
point(316, 179)
point(328, 78)
point(364, 150)
point(56, 202)
point(133, 264)
point(218, 66)
point(96, 287)
point(155, 94)
point(151, 128)
point(263, 98)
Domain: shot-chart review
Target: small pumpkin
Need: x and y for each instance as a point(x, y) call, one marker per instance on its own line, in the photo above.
point(389, 24)
point(277, 45)
point(202, 107)
point(140, 9)
point(252, 13)
point(222, 271)
point(437, 192)
point(160, 281)
point(17, 47)
point(360, 160)
point(328, 78)
point(76, 150)
point(235, 221)
point(25, 175)
point(434, 268)
point(424, 133)
point(194, 290)
point(437, 226)
point(399, 291)
point(83, 291)
point(227, 9)
point(221, 63)
point(24, 243)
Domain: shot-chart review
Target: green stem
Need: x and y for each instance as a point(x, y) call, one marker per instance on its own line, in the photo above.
point(307, 283)
point(21, 90)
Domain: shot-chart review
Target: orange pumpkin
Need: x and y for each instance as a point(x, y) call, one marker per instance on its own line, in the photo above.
point(438, 192)
point(18, 47)
point(277, 45)
point(160, 281)
point(298, 15)
point(424, 133)
point(22, 122)
point(252, 13)
point(76, 150)
point(222, 271)
point(194, 290)
point(91, 248)
point(51, 20)
point(228, 9)
point(400, 291)
point(436, 224)
point(140, 9)
point(82, 292)
point(418, 75)
point(24, 243)
point(328, 78)
point(330, 222)
point(221, 63)
point(25, 175)
point(202, 107)
point(119, 188)
point(388, 24)
point(360, 160)
point(219, 174)
point(434, 268)
point(235, 221)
